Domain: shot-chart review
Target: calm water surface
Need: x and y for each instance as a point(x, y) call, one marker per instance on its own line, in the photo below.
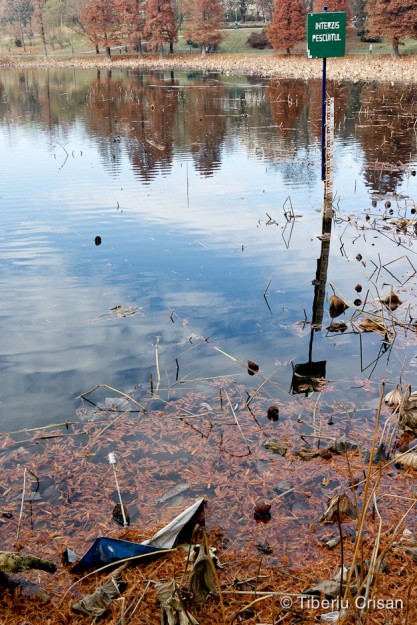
point(191, 182)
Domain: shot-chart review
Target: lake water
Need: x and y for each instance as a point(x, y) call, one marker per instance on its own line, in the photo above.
point(206, 194)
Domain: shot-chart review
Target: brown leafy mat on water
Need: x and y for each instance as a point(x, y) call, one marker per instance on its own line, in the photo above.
point(379, 68)
point(199, 447)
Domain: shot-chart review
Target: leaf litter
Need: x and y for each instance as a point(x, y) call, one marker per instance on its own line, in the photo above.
point(169, 457)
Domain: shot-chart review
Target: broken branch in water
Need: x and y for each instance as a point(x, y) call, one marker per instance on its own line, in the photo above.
point(110, 388)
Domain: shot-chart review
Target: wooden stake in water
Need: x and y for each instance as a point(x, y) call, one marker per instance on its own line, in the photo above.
point(112, 461)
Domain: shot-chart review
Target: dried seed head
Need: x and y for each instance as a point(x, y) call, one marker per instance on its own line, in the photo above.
point(262, 511)
point(358, 288)
point(393, 398)
point(391, 301)
point(273, 413)
point(252, 367)
point(337, 306)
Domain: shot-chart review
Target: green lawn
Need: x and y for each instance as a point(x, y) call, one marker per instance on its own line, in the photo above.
point(234, 42)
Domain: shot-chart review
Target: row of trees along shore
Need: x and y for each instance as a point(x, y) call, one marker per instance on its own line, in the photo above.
point(109, 23)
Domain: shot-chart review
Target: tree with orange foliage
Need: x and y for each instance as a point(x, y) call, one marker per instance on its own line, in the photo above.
point(204, 22)
point(393, 19)
point(101, 23)
point(160, 24)
point(131, 16)
point(332, 5)
point(288, 25)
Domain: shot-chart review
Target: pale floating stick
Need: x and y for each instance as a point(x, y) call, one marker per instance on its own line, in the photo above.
point(43, 427)
point(112, 461)
point(237, 422)
point(21, 505)
point(132, 608)
point(157, 359)
point(116, 391)
point(122, 618)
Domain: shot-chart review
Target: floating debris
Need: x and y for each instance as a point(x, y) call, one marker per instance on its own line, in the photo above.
point(202, 581)
point(262, 512)
point(337, 326)
point(337, 306)
point(407, 412)
point(98, 602)
point(121, 514)
point(273, 413)
point(369, 325)
point(391, 301)
point(339, 507)
point(172, 608)
point(253, 368)
point(275, 446)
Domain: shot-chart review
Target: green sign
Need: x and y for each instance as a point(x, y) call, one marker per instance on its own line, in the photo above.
point(326, 35)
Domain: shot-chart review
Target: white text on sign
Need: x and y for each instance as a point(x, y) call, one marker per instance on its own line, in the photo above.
point(327, 25)
point(326, 37)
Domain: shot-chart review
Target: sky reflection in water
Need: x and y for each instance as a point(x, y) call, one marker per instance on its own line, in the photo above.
point(186, 181)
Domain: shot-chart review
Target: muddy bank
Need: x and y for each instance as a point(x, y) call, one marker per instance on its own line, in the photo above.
point(356, 68)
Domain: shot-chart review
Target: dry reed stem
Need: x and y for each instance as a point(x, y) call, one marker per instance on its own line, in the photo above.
point(110, 388)
point(21, 504)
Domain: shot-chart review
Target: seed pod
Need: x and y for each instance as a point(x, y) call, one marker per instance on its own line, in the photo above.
point(262, 512)
point(393, 398)
point(273, 413)
point(252, 367)
point(358, 288)
point(391, 301)
point(337, 306)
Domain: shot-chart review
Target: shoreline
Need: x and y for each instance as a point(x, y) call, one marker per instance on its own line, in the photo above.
point(354, 68)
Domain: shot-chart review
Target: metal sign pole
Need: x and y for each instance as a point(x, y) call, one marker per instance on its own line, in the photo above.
point(323, 115)
point(323, 120)
point(326, 38)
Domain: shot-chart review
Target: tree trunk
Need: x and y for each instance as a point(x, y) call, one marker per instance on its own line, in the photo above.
point(22, 37)
point(171, 47)
point(203, 49)
point(139, 48)
point(395, 52)
point(288, 51)
point(108, 52)
point(43, 36)
point(97, 49)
